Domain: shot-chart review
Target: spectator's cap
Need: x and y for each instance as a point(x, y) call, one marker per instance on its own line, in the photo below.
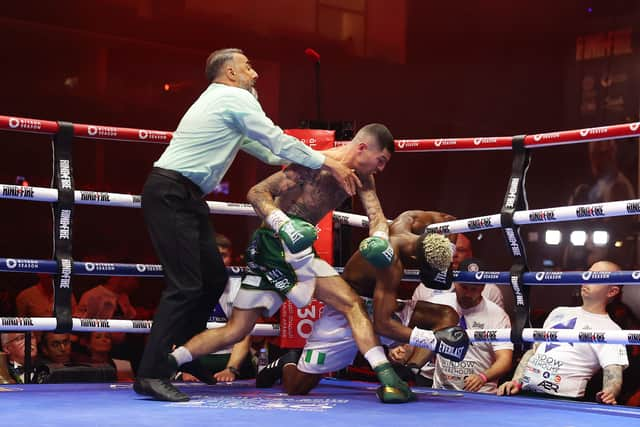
point(471, 264)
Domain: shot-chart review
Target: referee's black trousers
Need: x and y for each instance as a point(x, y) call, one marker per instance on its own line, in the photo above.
point(178, 221)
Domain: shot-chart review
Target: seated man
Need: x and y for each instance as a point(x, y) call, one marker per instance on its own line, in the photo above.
point(563, 369)
point(54, 348)
point(330, 346)
point(485, 362)
point(283, 265)
point(14, 345)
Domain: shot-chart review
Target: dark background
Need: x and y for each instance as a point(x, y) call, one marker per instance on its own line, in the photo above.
point(423, 68)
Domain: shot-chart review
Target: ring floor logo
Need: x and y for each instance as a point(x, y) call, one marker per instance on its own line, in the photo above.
point(271, 402)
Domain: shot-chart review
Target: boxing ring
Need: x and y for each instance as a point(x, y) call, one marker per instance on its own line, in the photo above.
point(334, 402)
point(340, 402)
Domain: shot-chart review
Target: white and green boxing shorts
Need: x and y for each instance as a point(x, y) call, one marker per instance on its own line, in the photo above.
point(331, 346)
point(275, 275)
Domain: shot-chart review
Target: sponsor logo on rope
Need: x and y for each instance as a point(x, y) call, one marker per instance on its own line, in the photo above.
point(542, 335)
point(635, 275)
point(99, 266)
point(17, 191)
point(594, 131)
point(513, 193)
point(634, 126)
point(478, 141)
point(596, 275)
point(633, 338)
point(95, 196)
point(15, 123)
point(64, 232)
point(633, 207)
point(546, 136)
point(136, 200)
point(142, 268)
point(597, 337)
point(440, 142)
point(342, 219)
point(65, 174)
point(540, 216)
point(439, 229)
point(30, 264)
point(65, 273)
point(407, 144)
point(548, 275)
point(589, 211)
point(141, 324)
point(102, 131)
point(17, 321)
point(152, 135)
point(513, 241)
point(474, 224)
point(487, 275)
point(94, 323)
point(488, 335)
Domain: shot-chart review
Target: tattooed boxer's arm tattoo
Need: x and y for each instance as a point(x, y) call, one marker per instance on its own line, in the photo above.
point(284, 184)
point(372, 207)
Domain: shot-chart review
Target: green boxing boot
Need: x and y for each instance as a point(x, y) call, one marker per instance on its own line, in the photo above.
point(393, 389)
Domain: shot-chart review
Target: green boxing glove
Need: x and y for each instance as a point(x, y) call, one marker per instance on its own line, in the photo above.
point(296, 234)
point(377, 250)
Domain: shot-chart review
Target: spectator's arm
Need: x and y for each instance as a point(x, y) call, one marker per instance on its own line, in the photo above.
point(519, 373)
point(611, 384)
point(513, 386)
point(500, 366)
point(238, 353)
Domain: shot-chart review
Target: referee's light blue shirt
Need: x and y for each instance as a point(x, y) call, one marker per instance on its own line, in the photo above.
point(222, 121)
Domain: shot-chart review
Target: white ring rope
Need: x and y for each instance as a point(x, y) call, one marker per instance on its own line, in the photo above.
point(557, 214)
point(627, 337)
point(17, 324)
point(99, 198)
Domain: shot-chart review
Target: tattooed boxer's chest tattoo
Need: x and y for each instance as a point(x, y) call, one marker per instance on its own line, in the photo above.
point(320, 193)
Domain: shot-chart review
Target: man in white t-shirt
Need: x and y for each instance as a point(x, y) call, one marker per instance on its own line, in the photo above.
point(484, 363)
point(463, 253)
point(563, 369)
point(462, 261)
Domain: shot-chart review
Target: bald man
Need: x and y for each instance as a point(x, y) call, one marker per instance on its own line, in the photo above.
point(563, 369)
